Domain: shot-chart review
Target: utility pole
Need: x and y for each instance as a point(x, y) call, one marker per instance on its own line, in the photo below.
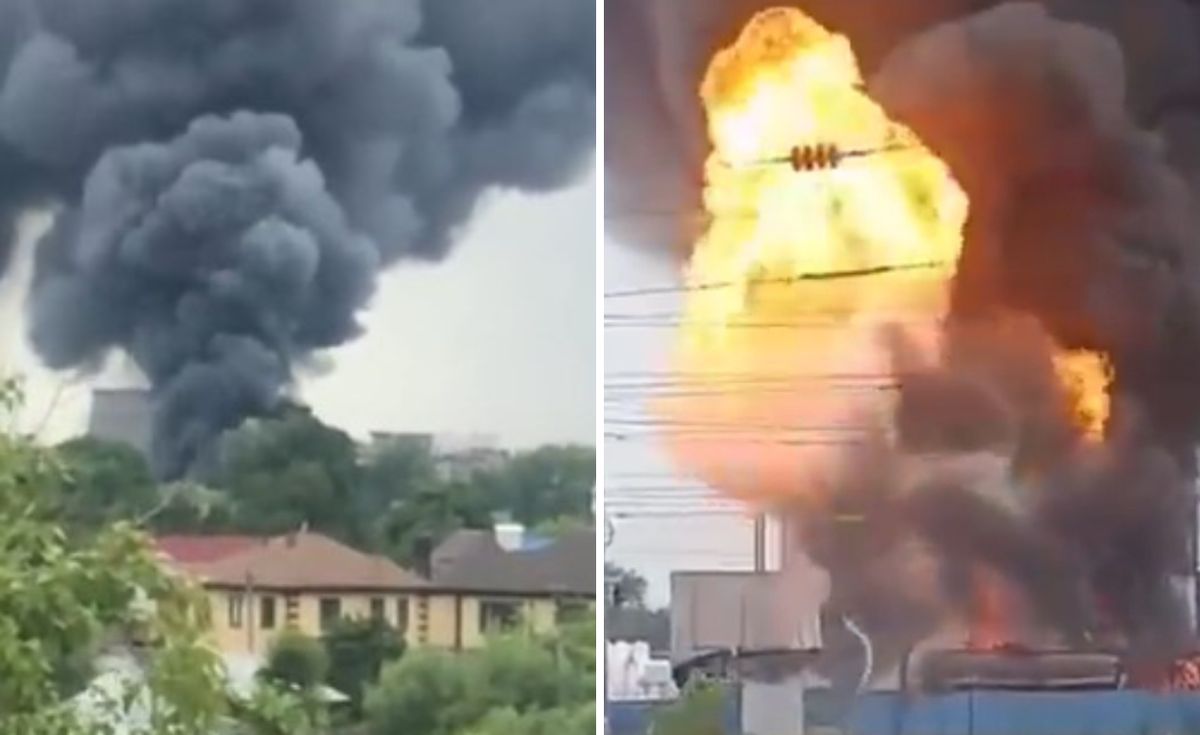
point(609, 532)
point(760, 543)
point(248, 612)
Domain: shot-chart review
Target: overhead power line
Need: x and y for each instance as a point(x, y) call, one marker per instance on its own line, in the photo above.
point(781, 280)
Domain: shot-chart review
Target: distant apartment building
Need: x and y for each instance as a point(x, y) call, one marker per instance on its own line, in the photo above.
point(471, 586)
point(122, 415)
point(456, 456)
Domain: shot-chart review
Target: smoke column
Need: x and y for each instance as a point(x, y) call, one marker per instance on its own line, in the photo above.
point(229, 177)
point(1074, 126)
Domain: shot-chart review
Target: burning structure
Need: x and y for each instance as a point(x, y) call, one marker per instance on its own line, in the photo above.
point(979, 343)
point(228, 178)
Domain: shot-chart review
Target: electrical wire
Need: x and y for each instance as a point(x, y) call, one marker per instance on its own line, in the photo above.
point(781, 280)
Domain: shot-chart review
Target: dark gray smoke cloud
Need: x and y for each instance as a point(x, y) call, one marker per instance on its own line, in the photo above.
point(1079, 218)
point(231, 175)
point(1074, 125)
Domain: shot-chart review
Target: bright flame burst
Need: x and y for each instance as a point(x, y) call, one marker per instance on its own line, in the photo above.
point(755, 328)
point(786, 82)
point(1085, 376)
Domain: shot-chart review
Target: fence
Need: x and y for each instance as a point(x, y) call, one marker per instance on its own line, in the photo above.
point(1120, 712)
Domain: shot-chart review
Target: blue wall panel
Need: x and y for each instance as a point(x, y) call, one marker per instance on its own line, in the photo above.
point(1124, 712)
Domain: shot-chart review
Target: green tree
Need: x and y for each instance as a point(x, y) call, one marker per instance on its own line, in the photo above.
point(103, 482)
point(65, 596)
point(627, 588)
point(700, 711)
point(284, 472)
point(433, 514)
point(358, 649)
point(296, 661)
point(579, 719)
point(546, 483)
point(425, 692)
point(562, 526)
point(515, 681)
point(397, 471)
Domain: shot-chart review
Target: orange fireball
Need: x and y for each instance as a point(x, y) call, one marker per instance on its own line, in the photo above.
point(791, 365)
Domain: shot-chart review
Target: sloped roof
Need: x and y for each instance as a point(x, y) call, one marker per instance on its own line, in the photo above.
point(186, 549)
point(303, 561)
point(472, 561)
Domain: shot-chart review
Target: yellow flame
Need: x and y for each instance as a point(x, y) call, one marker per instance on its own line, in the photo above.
point(1086, 376)
point(787, 82)
point(750, 312)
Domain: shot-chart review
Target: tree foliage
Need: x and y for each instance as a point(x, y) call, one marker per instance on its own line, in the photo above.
point(62, 597)
point(103, 481)
point(556, 528)
point(396, 472)
point(277, 474)
point(700, 711)
point(547, 483)
point(358, 649)
point(433, 513)
point(628, 588)
point(519, 683)
point(284, 472)
point(65, 597)
point(296, 661)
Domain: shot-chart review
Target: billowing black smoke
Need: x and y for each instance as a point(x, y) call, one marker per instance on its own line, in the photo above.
point(229, 176)
point(1074, 126)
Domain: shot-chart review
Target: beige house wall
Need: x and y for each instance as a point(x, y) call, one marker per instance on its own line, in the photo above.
point(443, 620)
point(251, 638)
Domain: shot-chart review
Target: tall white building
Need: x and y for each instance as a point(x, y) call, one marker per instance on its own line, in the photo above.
point(457, 456)
point(122, 415)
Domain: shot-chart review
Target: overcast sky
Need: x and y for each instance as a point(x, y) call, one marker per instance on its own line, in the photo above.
point(499, 339)
point(655, 533)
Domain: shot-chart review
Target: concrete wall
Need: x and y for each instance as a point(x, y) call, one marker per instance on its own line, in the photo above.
point(775, 707)
point(718, 610)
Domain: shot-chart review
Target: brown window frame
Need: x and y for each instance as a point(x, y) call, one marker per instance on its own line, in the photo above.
point(327, 621)
point(402, 603)
point(268, 613)
point(507, 621)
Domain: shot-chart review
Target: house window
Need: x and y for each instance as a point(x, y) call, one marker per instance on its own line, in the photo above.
point(291, 609)
point(571, 610)
point(331, 611)
point(236, 607)
point(497, 615)
point(402, 614)
point(422, 619)
point(266, 613)
point(378, 609)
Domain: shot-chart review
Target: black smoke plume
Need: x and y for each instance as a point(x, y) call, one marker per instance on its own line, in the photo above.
point(1074, 126)
point(229, 176)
